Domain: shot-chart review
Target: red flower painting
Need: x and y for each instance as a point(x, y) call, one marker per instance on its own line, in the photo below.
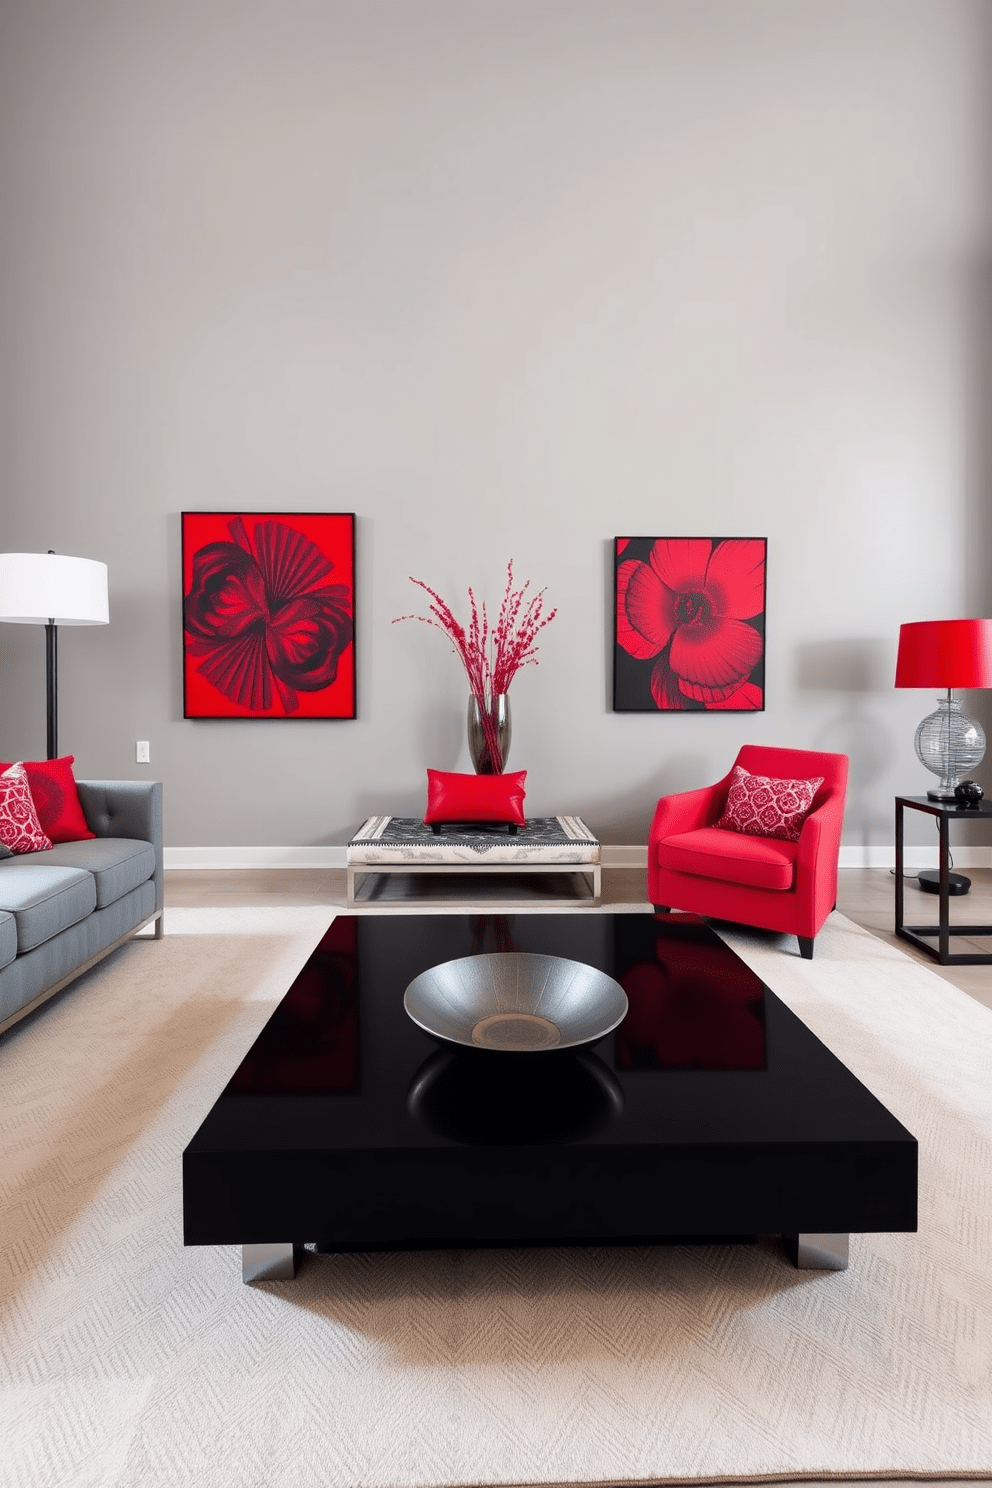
point(268, 615)
point(689, 624)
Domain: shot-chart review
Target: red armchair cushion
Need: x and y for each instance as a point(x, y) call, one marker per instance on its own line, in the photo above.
point(765, 806)
point(56, 799)
point(710, 852)
point(482, 798)
point(20, 829)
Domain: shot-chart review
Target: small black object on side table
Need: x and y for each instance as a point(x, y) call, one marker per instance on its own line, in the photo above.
point(945, 812)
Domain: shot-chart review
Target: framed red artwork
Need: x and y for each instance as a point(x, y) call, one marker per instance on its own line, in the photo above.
point(268, 614)
point(689, 624)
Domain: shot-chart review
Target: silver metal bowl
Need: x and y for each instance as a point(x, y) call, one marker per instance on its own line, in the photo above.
point(515, 1001)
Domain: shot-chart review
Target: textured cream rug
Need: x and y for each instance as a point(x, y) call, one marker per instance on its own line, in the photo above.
point(129, 1362)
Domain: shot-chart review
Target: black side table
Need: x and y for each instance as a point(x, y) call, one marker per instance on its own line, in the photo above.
point(945, 812)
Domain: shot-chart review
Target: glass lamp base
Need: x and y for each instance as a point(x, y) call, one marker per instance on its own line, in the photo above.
point(950, 745)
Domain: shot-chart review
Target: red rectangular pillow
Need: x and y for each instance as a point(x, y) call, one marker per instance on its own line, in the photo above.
point(476, 798)
point(56, 799)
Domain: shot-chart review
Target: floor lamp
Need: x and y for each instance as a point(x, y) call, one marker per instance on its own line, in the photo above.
point(51, 589)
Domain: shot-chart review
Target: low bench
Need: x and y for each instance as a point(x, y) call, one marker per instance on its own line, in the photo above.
point(404, 844)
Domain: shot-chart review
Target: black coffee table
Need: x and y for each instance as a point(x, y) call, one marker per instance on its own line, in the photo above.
point(712, 1111)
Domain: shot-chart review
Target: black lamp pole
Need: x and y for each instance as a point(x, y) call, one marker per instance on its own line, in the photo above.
point(52, 685)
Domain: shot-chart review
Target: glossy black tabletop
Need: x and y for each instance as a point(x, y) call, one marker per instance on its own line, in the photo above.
point(711, 1109)
point(706, 1051)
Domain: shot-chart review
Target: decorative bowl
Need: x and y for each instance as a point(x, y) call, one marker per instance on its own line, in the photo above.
point(515, 1002)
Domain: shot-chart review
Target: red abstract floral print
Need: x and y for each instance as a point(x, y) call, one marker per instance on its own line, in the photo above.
point(693, 608)
point(268, 615)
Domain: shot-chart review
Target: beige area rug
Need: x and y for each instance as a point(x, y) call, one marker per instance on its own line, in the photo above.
point(129, 1362)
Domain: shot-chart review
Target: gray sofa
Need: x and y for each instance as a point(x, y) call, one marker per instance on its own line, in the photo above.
point(63, 910)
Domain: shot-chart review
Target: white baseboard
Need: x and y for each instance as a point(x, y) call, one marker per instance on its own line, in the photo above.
point(255, 857)
point(327, 857)
point(914, 858)
point(624, 857)
point(879, 855)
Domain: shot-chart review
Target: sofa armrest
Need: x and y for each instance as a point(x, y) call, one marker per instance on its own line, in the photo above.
point(127, 808)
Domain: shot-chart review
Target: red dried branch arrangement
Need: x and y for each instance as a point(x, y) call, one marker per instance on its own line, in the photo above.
point(516, 632)
point(491, 656)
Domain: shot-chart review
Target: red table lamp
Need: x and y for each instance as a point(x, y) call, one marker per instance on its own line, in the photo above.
point(947, 653)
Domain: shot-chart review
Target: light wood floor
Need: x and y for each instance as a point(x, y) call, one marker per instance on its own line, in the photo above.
point(866, 895)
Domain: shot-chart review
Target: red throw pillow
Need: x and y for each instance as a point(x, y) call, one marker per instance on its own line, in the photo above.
point(20, 829)
point(56, 799)
point(765, 806)
point(482, 798)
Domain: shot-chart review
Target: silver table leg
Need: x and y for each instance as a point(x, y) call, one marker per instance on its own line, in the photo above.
point(819, 1252)
point(268, 1262)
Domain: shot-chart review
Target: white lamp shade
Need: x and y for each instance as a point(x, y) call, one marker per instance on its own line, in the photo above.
point(38, 587)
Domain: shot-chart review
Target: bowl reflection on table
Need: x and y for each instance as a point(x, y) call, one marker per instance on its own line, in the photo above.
point(515, 1002)
point(487, 1100)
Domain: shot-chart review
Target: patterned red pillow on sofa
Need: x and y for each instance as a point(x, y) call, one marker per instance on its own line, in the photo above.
point(56, 799)
point(765, 806)
point(20, 829)
point(477, 798)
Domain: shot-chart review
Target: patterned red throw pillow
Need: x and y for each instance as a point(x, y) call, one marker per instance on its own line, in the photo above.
point(20, 829)
point(765, 806)
point(56, 799)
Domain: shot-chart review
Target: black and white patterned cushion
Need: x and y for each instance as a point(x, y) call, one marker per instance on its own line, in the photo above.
point(399, 839)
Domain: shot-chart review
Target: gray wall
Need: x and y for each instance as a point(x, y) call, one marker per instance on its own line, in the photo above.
point(505, 279)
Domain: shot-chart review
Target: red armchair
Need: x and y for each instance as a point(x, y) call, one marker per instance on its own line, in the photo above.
point(787, 886)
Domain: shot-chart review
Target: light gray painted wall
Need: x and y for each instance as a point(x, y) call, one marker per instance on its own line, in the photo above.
point(505, 278)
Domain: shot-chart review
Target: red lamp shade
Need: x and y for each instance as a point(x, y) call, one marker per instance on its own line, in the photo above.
point(945, 653)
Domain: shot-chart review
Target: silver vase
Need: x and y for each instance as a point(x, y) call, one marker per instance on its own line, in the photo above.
point(489, 737)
